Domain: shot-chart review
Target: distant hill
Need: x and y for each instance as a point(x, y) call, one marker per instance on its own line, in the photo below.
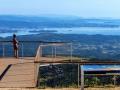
point(10, 21)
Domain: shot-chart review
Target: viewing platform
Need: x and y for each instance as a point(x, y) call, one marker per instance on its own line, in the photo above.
point(20, 72)
point(23, 72)
point(40, 63)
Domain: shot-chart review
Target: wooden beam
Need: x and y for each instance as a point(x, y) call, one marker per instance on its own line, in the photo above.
point(82, 63)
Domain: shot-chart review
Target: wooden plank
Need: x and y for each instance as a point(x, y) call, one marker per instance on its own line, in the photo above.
point(21, 73)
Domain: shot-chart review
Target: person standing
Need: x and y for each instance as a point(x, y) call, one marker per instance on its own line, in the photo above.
point(15, 46)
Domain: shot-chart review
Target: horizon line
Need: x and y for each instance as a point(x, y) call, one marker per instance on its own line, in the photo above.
point(58, 15)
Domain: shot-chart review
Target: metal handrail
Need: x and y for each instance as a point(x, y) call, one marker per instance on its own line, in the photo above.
point(37, 57)
point(33, 41)
point(21, 44)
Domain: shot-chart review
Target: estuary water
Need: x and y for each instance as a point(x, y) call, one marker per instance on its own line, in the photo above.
point(80, 30)
point(100, 67)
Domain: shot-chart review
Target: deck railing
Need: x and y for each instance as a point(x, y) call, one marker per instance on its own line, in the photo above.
point(26, 48)
point(70, 73)
point(66, 72)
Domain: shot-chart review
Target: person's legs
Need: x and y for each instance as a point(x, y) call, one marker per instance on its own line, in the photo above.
point(16, 53)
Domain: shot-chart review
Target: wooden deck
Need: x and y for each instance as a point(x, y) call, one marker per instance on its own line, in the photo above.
point(23, 72)
point(20, 74)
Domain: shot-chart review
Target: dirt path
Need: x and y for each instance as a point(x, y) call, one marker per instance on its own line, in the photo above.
point(117, 88)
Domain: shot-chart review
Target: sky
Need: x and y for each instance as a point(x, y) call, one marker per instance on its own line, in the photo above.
point(82, 8)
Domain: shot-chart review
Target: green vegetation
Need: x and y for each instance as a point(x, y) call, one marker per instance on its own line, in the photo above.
point(66, 75)
point(102, 81)
point(58, 76)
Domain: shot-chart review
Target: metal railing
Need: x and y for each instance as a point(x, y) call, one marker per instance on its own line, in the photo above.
point(6, 49)
point(26, 48)
point(69, 73)
point(63, 73)
point(40, 54)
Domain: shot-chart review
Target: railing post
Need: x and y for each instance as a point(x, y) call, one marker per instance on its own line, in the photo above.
point(22, 50)
point(71, 47)
point(114, 78)
point(40, 53)
point(82, 78)
point(52, 54)
point(78, 75)
point(35, 74)
point(55, 52)
point(3, 48)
